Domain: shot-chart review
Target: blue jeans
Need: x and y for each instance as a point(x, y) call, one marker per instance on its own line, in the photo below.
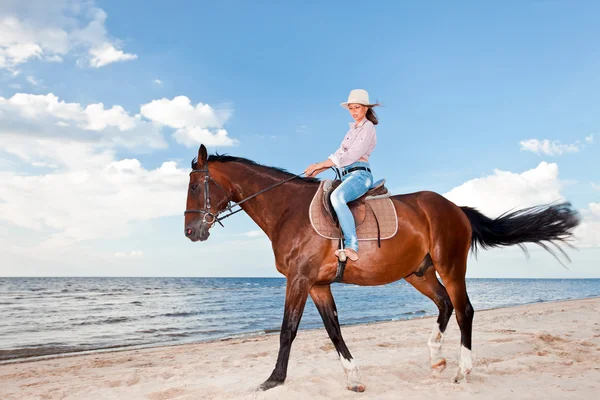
point(353, 185)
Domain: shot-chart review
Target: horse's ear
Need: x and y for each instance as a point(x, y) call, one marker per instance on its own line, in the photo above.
point(202, 156)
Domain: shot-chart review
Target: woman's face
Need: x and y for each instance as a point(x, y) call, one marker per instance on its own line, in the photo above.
point(358, 111)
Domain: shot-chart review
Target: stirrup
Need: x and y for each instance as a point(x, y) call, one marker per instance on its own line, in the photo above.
point(349, 253)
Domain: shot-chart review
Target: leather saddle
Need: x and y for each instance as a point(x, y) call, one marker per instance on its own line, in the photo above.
point(358, 206)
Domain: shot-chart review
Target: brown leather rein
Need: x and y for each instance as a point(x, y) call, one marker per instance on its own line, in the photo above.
point(211, 218)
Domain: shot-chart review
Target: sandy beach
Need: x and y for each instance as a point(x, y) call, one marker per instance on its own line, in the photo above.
point(544, 350)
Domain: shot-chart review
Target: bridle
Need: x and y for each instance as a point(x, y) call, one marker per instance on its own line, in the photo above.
point(209, 217)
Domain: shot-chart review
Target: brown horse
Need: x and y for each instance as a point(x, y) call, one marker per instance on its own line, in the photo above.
point(430, 227)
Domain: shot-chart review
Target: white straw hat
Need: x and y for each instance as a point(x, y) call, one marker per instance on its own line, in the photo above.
point(358, 96)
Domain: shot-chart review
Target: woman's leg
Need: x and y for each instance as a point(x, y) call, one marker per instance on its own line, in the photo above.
point(355, 185)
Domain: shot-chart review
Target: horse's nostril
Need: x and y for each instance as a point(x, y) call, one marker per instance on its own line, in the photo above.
point(188, 232)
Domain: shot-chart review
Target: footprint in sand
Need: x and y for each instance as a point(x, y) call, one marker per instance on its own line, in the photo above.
point(387, 344)
point(327, 347)
point(257, 355)
point(166, 394)
point(133, 380)
point(546, 337)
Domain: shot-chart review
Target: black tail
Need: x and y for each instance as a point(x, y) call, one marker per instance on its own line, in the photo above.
point(539, 224)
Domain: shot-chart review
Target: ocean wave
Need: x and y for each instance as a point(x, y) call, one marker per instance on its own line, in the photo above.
point(115, 320)
point(154, 330)
point(182, 314)
point(51, 350)
point(418, 312)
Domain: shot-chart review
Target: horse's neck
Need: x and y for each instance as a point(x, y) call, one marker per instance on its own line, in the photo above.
point(267, 209)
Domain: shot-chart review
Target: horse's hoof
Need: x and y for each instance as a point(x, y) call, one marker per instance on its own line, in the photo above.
point(357, 388)
point(269, 384)
point(439, 366)
point(460, 376)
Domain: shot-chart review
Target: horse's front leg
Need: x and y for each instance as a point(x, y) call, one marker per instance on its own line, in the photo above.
point(295, 299)
point(323, 299)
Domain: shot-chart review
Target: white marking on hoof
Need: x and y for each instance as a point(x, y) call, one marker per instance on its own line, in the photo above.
point(438, 363)
point(352, 375)
point(464, 366)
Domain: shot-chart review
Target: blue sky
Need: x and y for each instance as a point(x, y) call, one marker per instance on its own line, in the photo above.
point(469, 90)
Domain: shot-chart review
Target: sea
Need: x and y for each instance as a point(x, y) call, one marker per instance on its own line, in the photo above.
point(41, 317)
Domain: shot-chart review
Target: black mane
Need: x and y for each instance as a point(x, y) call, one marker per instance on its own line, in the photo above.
point(226, 158)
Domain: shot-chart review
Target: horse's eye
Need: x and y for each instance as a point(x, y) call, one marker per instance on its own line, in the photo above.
point(193, 186)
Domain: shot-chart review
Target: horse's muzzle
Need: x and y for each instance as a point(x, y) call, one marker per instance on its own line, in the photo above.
point(197, 234)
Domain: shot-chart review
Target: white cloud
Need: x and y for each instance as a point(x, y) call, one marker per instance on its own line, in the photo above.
point(590, 138)
point(32, 80)
point(55, 58)
point(51, 30)
point(595, 186)
point(94, 117)
point(98, 198)
point(100, 118)
point(80, 188)
point(180, 113)
point(192, 123)
point(19, 53)
point(36, 106)
point(554, 148)
point(504, 191)
point(589, 230)
point(107, 54)
point(194, 136)
point(49, 116)
point(158, 81)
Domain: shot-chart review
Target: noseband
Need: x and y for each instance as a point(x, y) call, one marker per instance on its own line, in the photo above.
point(209, 217)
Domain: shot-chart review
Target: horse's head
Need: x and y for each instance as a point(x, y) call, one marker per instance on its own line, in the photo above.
point(205, 199)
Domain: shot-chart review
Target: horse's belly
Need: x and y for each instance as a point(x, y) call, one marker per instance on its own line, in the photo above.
point(397, 258)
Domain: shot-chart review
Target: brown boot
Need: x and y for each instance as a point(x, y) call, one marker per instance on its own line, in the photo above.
point(350, 253)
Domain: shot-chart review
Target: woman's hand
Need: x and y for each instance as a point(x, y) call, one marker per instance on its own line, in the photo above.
point(313, 169)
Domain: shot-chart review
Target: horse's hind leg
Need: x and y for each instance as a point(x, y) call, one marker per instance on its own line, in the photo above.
point(430, 286)
point(323, 299)
point(454, 280)
point(450, 236)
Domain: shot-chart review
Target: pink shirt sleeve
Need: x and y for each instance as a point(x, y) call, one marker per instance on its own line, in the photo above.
point(356, 143)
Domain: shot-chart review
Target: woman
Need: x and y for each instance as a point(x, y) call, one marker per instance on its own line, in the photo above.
point(352, 158)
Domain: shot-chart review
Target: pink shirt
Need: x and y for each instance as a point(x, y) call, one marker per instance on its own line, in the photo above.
point(358, 142)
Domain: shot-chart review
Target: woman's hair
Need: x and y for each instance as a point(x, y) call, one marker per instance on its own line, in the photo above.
point(371, 115)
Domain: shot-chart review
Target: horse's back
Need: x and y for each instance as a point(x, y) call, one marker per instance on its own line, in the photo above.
point(418, 200)
point(441, 214)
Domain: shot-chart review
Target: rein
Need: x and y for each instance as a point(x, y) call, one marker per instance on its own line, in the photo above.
point(211, 218)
